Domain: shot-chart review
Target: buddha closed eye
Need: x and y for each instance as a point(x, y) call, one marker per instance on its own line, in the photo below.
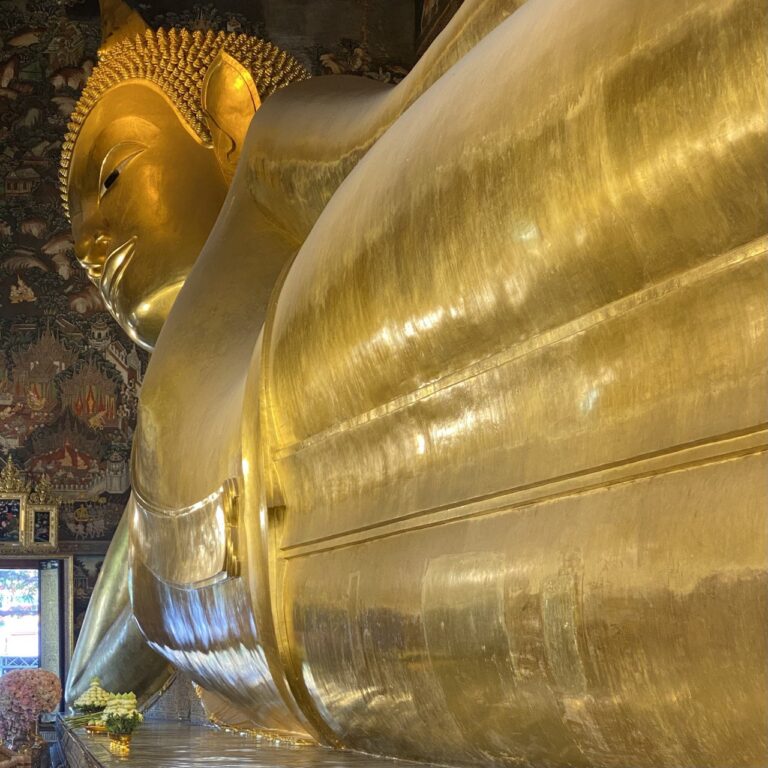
point(117, 163)
point(150, 147)
point(109, 181)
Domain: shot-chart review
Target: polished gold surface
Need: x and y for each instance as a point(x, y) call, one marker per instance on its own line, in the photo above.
point(110, 644)
point(452, 446)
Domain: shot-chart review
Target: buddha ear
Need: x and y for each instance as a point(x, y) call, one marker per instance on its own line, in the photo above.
point(230, 101)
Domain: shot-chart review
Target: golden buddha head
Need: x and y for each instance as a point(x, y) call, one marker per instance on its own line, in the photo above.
point(151, 149)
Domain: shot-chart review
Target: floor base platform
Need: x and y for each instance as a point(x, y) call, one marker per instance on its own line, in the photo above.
point(158, 744)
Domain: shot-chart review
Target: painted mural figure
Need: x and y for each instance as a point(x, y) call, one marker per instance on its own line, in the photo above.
point(451, 443)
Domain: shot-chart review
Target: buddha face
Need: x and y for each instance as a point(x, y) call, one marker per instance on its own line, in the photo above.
point(144, 193)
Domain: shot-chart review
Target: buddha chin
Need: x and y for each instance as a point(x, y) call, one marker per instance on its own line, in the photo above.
point(140, 308)
point(144, 320)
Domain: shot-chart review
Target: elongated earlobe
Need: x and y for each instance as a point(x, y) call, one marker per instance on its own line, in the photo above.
point(230, 101)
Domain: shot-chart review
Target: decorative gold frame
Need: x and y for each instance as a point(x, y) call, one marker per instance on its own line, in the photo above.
point(53, 536)
point(22, 499)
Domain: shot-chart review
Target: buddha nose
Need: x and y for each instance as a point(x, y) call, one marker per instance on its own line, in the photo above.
point(91, 249)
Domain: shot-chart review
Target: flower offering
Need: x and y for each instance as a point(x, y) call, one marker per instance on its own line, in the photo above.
point(94, 699)
point(121, 715)
point(24, 695)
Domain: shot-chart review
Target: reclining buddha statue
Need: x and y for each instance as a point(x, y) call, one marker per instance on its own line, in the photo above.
point(452, 442)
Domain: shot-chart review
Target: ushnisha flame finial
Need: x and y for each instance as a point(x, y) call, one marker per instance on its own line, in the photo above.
point(119, 22)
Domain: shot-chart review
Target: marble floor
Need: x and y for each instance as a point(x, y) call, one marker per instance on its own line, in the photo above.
point(181, 745)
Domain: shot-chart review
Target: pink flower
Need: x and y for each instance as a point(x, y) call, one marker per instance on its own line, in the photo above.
point(24, 695)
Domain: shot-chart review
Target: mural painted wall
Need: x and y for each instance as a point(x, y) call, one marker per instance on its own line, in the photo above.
point(69, 377)
point(86, 570)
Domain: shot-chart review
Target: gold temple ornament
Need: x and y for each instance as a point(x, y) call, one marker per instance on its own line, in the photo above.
point(120, 744)
point(42, 526)
point(14, 493)
point(43, 516)
point(29, 519)
point(12, 479)
point(13, 520)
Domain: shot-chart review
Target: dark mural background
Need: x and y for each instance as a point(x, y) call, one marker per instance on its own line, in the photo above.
point(69, 377)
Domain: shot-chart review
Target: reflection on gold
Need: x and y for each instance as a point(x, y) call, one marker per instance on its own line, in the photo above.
point(452, 446)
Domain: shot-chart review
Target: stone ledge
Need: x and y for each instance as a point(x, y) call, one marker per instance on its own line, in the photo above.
point(165, 744)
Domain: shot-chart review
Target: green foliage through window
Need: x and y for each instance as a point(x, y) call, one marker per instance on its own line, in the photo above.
point(18, 592)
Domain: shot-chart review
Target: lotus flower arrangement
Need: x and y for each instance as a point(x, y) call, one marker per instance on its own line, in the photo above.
point(95, 699)
point(121, 718)
point(121, 715)
point(24, 695)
